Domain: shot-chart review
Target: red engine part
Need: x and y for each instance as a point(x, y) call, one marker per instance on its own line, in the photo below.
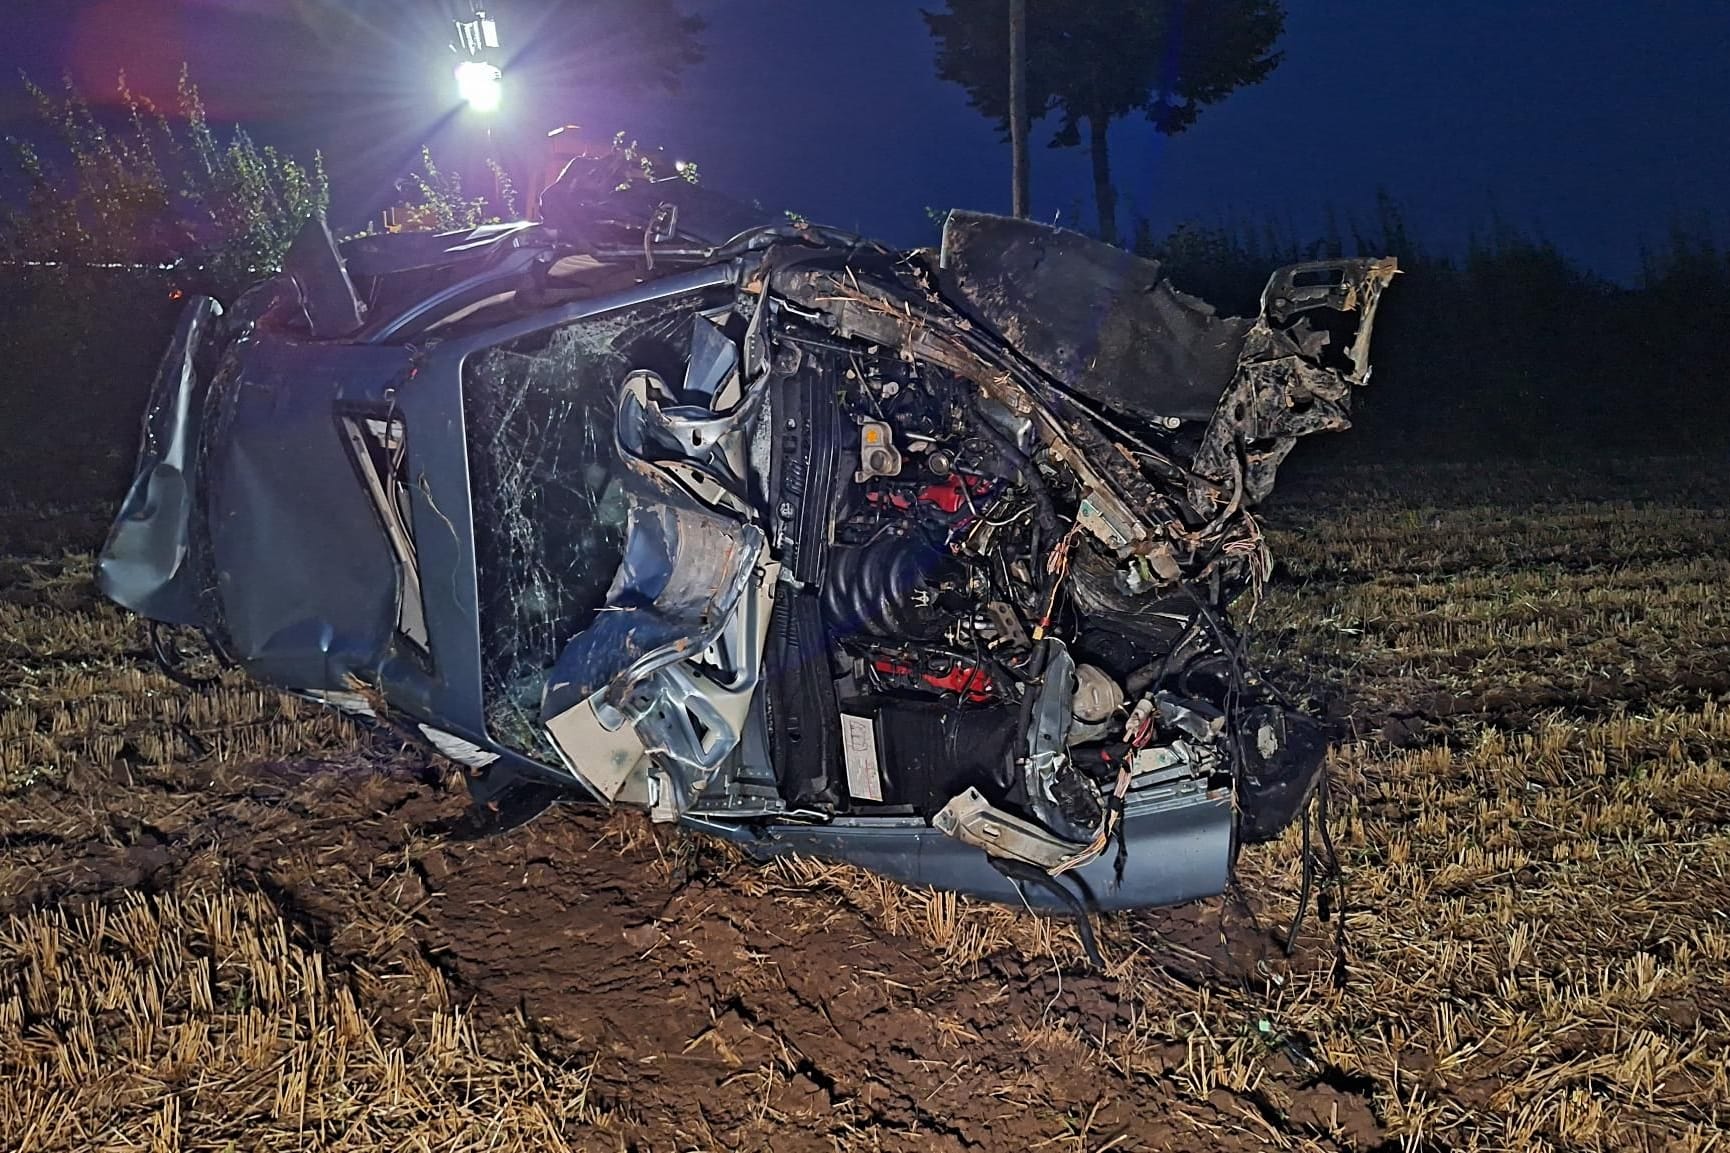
point(966, 681)
point(946, 495)
point(898, 500)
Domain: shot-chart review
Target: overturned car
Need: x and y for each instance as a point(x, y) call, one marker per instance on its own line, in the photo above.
point(921, 560)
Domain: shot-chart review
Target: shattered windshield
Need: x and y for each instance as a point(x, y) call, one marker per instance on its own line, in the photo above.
point(549, 509)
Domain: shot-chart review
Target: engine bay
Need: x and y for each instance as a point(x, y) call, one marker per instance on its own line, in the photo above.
point(970, 679)
point(882, 562)
point(1011, 604)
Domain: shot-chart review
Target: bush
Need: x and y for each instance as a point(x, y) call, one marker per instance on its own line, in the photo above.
point(128, 211)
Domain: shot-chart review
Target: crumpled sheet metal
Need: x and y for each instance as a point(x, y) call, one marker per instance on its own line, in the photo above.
point(682, 574)
point(1282, 390)
point(1102, 320)
point(864, 310)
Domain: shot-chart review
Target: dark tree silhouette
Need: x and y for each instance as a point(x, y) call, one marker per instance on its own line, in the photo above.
point(1097, 62)
point(977, 48)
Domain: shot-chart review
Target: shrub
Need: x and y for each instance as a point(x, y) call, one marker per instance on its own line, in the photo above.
point(115, 215)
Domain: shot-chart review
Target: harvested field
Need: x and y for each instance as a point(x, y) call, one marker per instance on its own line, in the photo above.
point(235, 922)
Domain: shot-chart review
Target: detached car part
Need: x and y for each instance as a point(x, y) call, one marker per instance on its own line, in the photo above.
point(921, 560)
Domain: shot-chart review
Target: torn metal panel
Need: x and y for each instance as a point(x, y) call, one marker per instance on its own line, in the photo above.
point(1339, 286)
point(316, 269)
point(679, 578)
point(668, 668)
point(1101, 320)
point(599, 745)
point(713, 365)
point(457, 749)
point(1294, 378)
point(973, 820)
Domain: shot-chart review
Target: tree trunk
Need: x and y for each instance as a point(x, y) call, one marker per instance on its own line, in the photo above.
point(1104, 195)
point(1018, 126)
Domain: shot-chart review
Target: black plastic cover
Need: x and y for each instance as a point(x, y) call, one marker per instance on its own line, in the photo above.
point(326, 293)
point(937, 750)
point(1283, 751)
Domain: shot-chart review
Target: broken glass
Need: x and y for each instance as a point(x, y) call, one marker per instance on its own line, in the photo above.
point(549, 507)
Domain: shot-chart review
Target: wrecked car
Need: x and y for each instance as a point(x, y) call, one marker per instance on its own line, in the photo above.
point(925, 561)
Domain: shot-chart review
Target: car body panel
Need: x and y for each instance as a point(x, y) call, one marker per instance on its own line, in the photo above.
point(1175, 852)
point(146, 564)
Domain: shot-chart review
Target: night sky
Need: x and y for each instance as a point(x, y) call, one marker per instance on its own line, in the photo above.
point(1598, 125)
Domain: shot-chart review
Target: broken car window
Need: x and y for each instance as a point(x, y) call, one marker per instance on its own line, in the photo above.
point(549, 510)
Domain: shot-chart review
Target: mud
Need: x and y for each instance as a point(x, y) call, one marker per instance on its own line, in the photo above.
point(723, 1006)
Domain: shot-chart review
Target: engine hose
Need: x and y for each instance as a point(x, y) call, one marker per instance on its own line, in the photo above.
point(872, 588)
point(1045, 511)
point(1050, 528)
point(1143, 678)
point(1024, 709)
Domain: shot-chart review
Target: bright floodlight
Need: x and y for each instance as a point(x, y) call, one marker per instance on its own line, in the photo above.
point(480, 84)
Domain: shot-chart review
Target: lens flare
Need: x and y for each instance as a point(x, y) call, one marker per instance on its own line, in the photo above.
point(480, 84)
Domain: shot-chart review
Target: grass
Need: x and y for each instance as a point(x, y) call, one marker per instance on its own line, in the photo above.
point(196, 1022)
point(77, 690)
point(1531, 802)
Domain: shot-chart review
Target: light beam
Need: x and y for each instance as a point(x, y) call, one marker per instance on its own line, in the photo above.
point(480, 84)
